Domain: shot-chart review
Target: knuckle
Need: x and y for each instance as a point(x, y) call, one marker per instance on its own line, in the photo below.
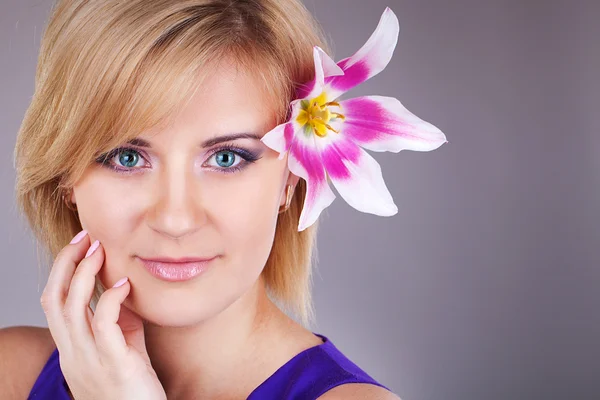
point(46, 300)
point(67, 315)
point(98, 325)
point(61, 257)
point(44, 296)
point(115, 375)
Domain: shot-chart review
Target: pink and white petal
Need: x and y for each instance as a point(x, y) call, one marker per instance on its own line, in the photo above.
point(370, 59)
point(305, 161)
point(281, 137)
point(315, 86)
point(330, 68)
point(381, 123)
point(356, 175)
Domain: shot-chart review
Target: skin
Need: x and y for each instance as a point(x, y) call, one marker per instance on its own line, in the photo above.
point(220, 327)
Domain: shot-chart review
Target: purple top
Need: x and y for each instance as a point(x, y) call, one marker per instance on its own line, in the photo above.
point(306, 376)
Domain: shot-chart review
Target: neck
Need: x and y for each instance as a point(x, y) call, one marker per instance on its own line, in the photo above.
point(201, 360)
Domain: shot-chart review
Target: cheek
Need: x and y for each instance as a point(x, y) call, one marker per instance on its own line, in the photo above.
point(108, 210)
point(108, 207)
point(247, 217)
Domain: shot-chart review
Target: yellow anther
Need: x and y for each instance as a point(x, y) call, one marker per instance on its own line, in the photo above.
point(316, 114)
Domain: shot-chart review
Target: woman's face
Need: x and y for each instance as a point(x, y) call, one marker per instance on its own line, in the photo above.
point(180, 199)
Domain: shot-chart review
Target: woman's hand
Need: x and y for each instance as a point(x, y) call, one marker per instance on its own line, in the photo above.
point(103, 354)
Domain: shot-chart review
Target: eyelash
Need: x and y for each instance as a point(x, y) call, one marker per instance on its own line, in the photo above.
point(248, 157)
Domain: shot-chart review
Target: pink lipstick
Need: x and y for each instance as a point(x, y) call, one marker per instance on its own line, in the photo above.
point(176, 270)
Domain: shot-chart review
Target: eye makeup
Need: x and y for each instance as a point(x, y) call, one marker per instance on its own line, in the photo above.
point(247, 156)
point(107, 160)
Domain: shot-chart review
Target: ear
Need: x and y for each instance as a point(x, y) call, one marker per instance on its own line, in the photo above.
point(72, 197)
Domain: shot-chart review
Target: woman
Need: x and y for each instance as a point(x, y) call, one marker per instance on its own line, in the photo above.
point(160, 131)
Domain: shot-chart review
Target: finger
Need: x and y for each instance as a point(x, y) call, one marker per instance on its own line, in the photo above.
point(77, 305)
point(110, 342)
point(132, 326)
point(57, 288)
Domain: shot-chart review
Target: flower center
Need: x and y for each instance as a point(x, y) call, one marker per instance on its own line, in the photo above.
point(315, 115)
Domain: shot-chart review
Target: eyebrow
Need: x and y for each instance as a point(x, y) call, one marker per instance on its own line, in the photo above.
point(207, 143)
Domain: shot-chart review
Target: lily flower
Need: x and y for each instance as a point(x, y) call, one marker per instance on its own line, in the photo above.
point(326, 139)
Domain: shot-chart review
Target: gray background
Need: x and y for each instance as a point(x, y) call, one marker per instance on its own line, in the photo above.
point(486, 284)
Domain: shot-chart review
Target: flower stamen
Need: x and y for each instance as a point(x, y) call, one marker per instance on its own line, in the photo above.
point(315, 115)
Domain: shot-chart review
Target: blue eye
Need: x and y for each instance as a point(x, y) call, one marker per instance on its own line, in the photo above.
point(122, 159)
point(128, 158)
point(231, 159)
point(226, 158)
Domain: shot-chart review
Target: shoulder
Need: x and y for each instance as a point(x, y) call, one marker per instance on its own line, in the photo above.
point(18, 344)
point(358, 391)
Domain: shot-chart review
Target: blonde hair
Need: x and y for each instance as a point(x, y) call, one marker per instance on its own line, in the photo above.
point(108, 70)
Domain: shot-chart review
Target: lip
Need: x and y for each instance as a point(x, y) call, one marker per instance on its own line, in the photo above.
point(176, 271)
point(176, 260)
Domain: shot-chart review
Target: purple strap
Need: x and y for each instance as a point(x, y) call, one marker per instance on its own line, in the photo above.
point(311, 373)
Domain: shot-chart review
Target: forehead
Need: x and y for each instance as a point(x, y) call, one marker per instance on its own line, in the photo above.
point(228, 99)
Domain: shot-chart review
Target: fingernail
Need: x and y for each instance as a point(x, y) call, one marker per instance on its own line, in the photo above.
point(120, 282)
point(92, 248)
point(79, 236)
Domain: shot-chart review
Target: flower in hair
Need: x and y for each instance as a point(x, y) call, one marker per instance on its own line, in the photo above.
point(326, 139)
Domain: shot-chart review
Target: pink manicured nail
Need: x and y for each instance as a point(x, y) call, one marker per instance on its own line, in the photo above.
point(120, 282)
point(79, 236)
point(92, 248)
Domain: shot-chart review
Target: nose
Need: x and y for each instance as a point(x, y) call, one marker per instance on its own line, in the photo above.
point(177, 210)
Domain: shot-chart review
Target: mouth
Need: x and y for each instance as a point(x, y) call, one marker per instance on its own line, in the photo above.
point(177, 260)
point(181, 269)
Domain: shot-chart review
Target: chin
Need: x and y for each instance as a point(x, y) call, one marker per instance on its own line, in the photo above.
point(167, 306)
